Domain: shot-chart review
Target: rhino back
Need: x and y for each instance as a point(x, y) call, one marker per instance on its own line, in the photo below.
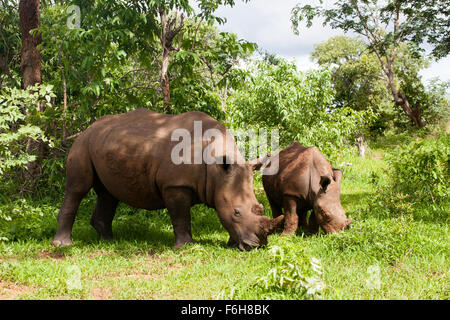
point(293, 177)
point(131, 154)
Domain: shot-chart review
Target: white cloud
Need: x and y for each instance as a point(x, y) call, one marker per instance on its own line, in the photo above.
point(267, 23)
point(439, 69)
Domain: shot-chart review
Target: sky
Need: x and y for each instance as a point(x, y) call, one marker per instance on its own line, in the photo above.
point(267, 23)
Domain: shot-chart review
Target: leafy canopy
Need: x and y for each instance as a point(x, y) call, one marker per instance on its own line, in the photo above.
point(402, 20)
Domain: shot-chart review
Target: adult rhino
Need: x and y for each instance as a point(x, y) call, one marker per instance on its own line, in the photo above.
point(305, 180)
point(128, 158)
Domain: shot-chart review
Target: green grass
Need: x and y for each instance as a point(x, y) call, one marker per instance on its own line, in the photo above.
point(411, 256)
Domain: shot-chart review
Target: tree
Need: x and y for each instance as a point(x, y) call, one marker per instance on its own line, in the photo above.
point(427, 22)
point(356, 73)
point(30, 55)
point(215, 56)
point(170, 28)
point(113, 62)
point(278, 96)
point(172, 17)
point(385, 25)
point(9, 44)
point(30, 66)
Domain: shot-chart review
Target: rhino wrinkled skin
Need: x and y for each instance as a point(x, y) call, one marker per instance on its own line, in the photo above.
point(306, 181)
point(127, 158)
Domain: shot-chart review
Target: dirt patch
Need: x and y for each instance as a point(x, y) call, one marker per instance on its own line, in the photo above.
point(101, 254)
point(11, 290)
point(435, 274)
point(9, 259)
point(145, 254)
point(48, 254)
point(378, 156)
point(100, 293)
point(129, 275)
point(148, 266)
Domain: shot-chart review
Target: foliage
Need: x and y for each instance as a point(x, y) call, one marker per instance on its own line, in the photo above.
point(10, 44)
point(418, 176)
point(422, 170)
point(356, 73)
point(206, 68)
point(426, 22)
point(358, 81)
point(116, 71)
point(387, 26)
point(293, 272)
point(359, 84)
point(22, 219)
point(299, 104)
point(419, 22)
point(19, 120)
point(436, 102)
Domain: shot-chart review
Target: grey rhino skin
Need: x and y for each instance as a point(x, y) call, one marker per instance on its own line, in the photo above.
point(305, 181)
point(127, 158)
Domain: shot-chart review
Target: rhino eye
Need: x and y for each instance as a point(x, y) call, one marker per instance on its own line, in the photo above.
point(237, 212)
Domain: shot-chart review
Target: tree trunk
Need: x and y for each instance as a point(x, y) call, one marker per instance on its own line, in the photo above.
point(402, 101)
point(170, 28)
point(224, 98)
point(165, 84)
point(30, 66)
point(412, 112)
point(361, 146)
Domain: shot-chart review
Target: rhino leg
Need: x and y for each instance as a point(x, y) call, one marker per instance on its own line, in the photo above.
point(78, 183)
point(104, 212)
point(276, 209)
point(178, 202)
point(290, 215)
point(66, 218)
point(313, 226)
point(310, 226)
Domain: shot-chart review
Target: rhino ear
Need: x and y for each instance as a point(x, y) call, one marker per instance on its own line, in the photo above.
point(337, 175)
point(324, 182)
point(257, 164)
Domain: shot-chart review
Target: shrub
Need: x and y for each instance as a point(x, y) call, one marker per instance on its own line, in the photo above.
point(23, 220)
point(293, 272)
point(418, 178)
point(17, 109)
point(299, 104)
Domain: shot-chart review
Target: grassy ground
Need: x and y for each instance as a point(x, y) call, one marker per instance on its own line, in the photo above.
point(380, 257)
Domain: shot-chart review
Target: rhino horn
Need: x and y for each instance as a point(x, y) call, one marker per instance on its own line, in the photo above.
point(271, 225)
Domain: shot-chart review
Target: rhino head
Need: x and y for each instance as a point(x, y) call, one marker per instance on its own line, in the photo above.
point(237, 207)
point(327, 206)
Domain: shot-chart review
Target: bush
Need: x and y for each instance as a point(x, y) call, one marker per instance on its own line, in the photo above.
point(17, 110)
point(299, 104)
point(24, 220)
point(435, 107)
point(418, 178)
point(293, 273)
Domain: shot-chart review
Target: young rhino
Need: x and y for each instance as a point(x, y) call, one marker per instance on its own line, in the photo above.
point(305, 181)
